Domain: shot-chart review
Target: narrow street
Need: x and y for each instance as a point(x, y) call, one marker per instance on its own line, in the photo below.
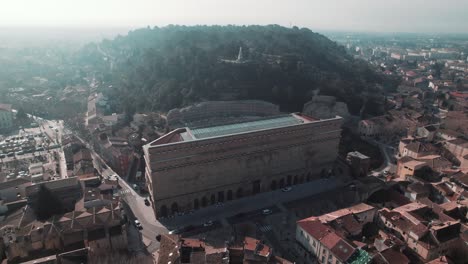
point(133, 203)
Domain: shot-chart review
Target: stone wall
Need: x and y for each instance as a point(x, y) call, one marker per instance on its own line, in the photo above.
point(193, 174)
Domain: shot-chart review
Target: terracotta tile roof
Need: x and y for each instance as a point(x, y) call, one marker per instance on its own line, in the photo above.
point(421, 147)
point(461, 178)
point(256, 246)
point(348, 223)
point(355, 209)
point(342, 250)
point(313, 227)
point(449, 132)
point(405, 159)
point(394, 256)
point(418, 188)
point(83, 154)
point(5, 107)
point(327, 236)
point(410, 207)
point(402, 222)
point(444, 189)
point(459, 141)
point(192, 243)
point(436, 162)
point(440, 260)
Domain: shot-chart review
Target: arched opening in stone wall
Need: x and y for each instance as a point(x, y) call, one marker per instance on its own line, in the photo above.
point(163, 211)
point(204, 201)
point(196, 204)
point(281, 183)
point(289, 181)
point(174, 208)
point(273, 185)
point(295, 181)
point(229, 195)
point(213, 199)
point(239, 193)
point(220, 197)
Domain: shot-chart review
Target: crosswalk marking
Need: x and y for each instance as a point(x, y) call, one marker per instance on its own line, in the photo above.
point(266, 228)
point(124, 192)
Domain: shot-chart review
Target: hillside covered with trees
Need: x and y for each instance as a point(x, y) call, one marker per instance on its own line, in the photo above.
point(163, 68)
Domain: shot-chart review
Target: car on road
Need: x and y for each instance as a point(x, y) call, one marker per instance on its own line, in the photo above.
point(267, 211)
point(286, 189)
point(207, 224)
point(181, 230)
point(138, 224)
point(147, 202)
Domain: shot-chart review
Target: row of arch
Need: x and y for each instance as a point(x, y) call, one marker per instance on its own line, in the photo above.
point(205, 201)
point(222, 196)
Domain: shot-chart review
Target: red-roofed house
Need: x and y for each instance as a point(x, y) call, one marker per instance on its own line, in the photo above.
point(323, 242)
point(426, 231)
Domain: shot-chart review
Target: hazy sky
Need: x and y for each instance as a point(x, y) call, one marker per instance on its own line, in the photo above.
point(359, 15)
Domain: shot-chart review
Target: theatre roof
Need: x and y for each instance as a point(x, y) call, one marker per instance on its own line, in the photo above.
point(231, 129)
point(200, 133)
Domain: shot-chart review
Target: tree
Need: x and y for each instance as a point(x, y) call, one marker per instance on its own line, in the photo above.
point(47, 204)
point(437, 67)
point(21, 115)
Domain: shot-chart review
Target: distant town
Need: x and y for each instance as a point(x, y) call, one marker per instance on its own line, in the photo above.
point(241, 180)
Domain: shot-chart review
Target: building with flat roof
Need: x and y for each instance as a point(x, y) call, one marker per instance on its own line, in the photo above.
point(190, 168)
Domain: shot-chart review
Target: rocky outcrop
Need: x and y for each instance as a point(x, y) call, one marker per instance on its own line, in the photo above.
point(323, 107)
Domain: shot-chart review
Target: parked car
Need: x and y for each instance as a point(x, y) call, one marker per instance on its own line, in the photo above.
point(207, 224)
point(286, 189)
point(138, 224)
point(181, 230)
point(267, 211)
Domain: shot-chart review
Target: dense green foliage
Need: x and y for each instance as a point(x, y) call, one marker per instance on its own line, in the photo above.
point(162, 68)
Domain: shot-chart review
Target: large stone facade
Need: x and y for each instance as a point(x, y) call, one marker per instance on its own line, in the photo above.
point(189, 173)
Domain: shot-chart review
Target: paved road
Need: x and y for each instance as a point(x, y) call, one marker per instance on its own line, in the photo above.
point(388, 153)
point(252, 203)
point(133, 203)
point(151, 227)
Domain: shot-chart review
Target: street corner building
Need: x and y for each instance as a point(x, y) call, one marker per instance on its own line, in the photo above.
point(190, 168)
